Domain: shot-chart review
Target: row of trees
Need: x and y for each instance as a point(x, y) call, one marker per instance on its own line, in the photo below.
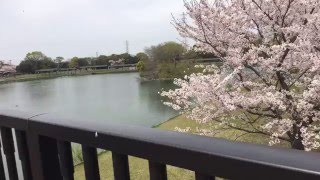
point(37, 60)
point(34, 61)
point(168, 60)
point(159, 61)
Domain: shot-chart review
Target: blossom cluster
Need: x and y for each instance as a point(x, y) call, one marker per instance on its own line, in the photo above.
point(116, 62)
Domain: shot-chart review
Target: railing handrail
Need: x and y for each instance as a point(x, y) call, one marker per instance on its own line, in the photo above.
point(202, 154)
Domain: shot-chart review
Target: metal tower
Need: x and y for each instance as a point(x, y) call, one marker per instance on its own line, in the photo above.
point(127, 46)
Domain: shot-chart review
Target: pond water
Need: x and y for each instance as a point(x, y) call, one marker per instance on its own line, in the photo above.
point(119, 98)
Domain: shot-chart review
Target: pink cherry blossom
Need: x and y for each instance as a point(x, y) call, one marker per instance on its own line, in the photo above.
point(270, 51)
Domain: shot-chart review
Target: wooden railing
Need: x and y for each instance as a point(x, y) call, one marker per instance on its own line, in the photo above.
point(44, 148)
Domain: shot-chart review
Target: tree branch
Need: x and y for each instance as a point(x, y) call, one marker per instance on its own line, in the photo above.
point(304, 72)
point(258, 74)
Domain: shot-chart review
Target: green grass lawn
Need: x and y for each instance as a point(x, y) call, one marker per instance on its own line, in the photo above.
point(139, 167)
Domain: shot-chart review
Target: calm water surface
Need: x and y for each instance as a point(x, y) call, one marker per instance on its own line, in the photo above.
point(119, 98)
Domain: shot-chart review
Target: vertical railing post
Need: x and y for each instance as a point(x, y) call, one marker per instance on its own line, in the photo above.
point(8, 149)
point(200, 176)
point(2, 175)
point(50, 159)
point(66, 161)
point(91, 166)
point(120, 166)
point(23, 154)
point(157, 171)
point(44, 159)
point(35, 156)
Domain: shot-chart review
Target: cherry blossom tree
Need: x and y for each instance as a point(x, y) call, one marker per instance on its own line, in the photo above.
point(269, 82)
point(116, 62)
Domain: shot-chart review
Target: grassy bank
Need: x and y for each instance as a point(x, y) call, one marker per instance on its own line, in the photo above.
point(139, 167)
point(31, 77)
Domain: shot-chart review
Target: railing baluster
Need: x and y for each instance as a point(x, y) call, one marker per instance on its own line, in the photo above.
point(66, 162)
point(35, 155)
point(91, 165)
point(50, 159)
point(120, 166)
point(200, 176)
point(44, 159)
point(23, 154)
point(157, 171)
point(8, 148)
point(2, 175)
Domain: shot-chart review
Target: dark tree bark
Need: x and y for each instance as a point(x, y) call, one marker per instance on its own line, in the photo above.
point(297, 144)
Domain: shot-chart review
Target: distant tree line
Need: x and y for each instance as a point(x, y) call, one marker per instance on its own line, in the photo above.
point(168, 60)
point(37, 60)
point(163, 61)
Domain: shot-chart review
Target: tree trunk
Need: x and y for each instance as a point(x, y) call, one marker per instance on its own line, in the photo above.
point(295, 138)
point(297, 144)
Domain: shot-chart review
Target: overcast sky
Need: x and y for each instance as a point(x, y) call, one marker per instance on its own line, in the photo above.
point(83, 27)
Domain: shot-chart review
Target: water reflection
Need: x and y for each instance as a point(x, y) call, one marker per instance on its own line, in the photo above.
point(148, 92)
point(119, 98)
